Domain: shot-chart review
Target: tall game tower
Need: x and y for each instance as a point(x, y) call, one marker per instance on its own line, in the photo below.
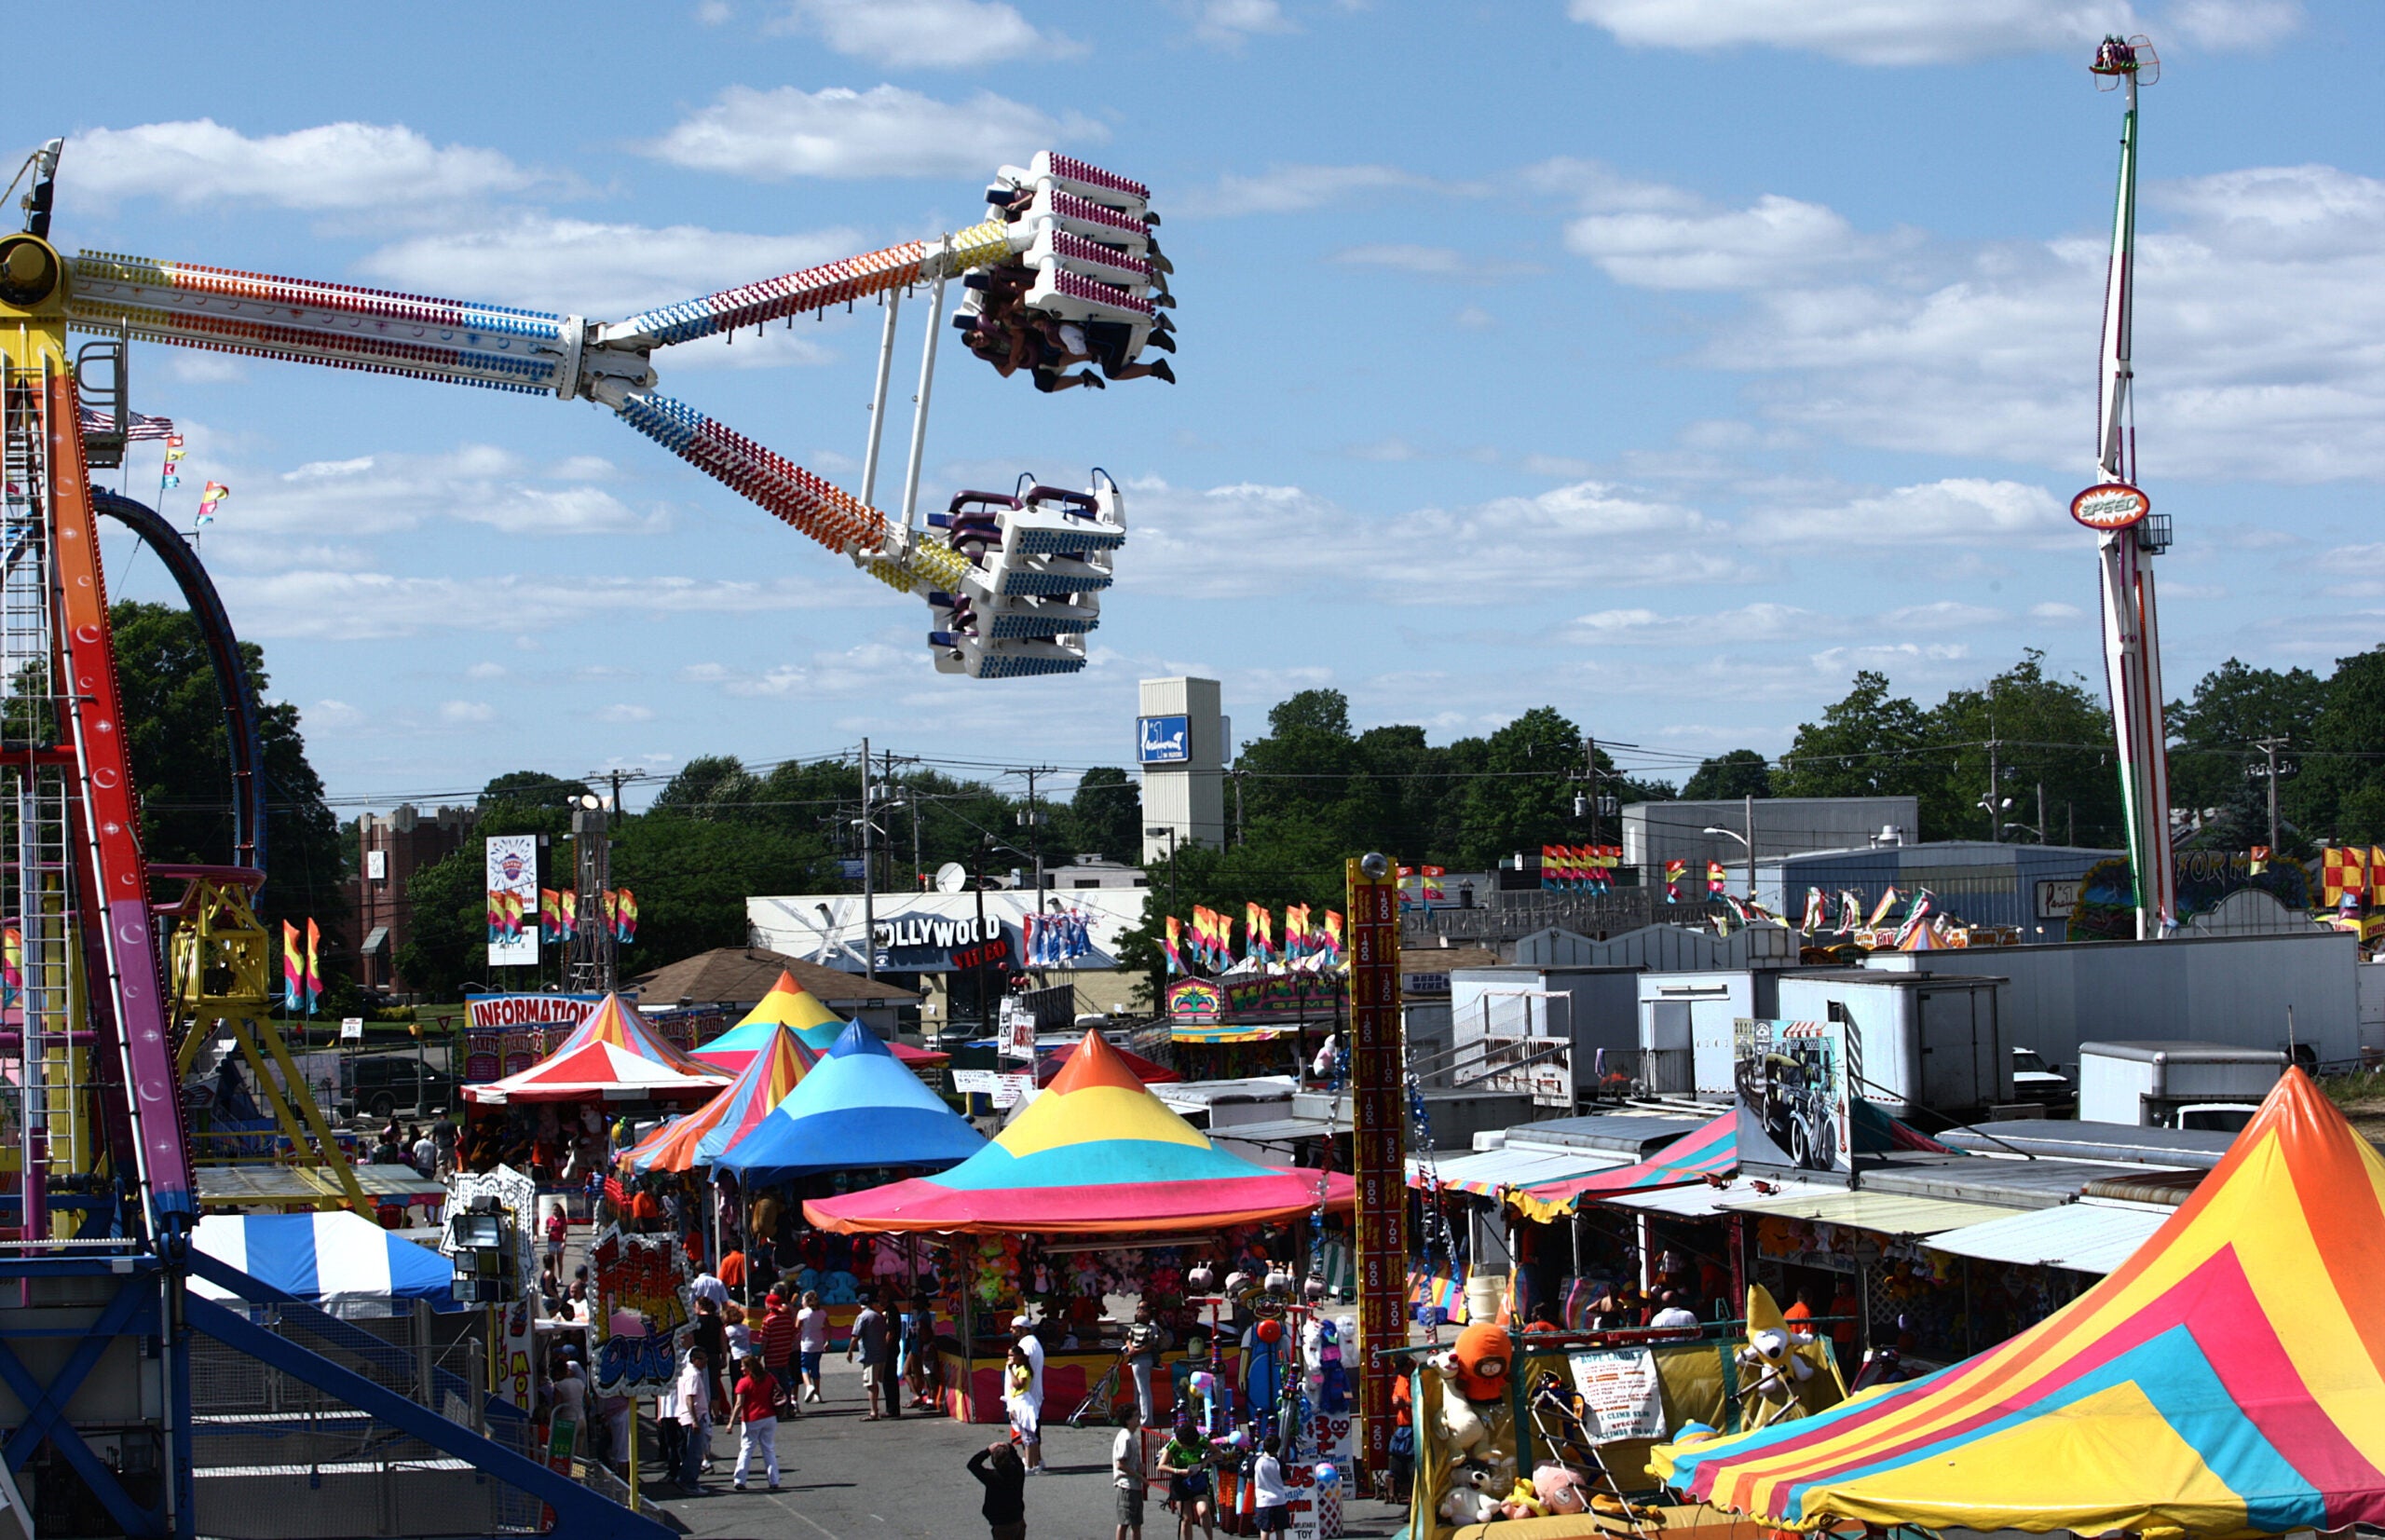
point(2128, 536)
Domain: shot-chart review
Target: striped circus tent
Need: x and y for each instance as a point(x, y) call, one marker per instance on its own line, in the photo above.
point(697, 1138)
point(1713, 1151)
point(339, 1260)
point(1096, 1153)
point(2227, 1380)
point(615, 1055)
point(859, 1109)
point(788, 1004)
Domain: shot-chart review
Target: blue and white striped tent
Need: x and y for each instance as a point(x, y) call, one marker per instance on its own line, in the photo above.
point(343, 1263)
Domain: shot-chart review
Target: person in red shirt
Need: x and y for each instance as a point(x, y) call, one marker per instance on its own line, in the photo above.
point(732, 1275)
point(775, 1341)
point(758, 1422)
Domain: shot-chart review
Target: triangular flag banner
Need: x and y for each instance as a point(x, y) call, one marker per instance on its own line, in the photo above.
point(293, 970)
point(1715, 878)
point(1172, 945)
point(314, 975)
point(1674, 872)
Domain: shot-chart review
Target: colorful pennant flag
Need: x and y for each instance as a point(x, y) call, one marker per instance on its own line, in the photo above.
point(211, 500)
point(2260, 859)
point(1258, 933)
point(568, 902)
point(1850, 912)
point(550, 917)
point(1816, 911)
point(314, 975)
point(625, 918)
point(1674, 872)
point(1880, 910)
point(1715, 880)
point(1173, 945)
point(1333, 937)
point(293, 970)
point(13, 964)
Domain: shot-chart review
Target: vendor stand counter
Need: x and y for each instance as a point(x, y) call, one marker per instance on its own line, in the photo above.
point(971, 1382)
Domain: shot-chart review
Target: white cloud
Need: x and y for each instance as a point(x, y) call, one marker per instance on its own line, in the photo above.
point(1958, 510)
point(379, 494)
point(1296, 188)
point(1229, 23)
point(336, 166)
point(332, 715)
point(467, 711)
point(2256, 290)
point(909, 35)
point(2056, 612)
point(2236, 25)
point(883, 131)
point(1432, 262)
point(623, 711)
point(486, 671)
point(190, 368)
point(1749, 623)
point(351, 606)
point(1774, 239)
point(1943, 615)
point(1197, 544)
point(589, 268)
point(1864, 32)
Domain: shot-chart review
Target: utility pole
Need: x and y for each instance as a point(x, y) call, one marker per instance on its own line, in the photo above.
point(1030, 818)
point(1236, 774)
point(1591, 777)
point(1994, 813)
point(2269, 747)
point(868, 891)
point(2042, 838)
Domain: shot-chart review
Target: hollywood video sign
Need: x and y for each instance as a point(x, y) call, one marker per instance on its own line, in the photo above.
point(937, 944)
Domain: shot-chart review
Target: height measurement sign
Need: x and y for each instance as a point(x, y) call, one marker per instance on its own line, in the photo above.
point(1378, 1081)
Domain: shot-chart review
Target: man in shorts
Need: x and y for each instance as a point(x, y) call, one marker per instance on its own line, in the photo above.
point(1127, 1475)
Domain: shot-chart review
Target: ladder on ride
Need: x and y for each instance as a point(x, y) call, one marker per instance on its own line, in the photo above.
point(38, 1043)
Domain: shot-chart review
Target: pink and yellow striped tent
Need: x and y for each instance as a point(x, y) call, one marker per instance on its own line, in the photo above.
point(2227, 1380)
point(699, 1138)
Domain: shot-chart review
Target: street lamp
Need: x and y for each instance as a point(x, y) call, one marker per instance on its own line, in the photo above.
point(1747, 841)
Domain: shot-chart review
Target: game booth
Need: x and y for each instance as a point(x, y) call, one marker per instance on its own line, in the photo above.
point(1098, 1188)
point(551, 1118)
point(1239, 1024)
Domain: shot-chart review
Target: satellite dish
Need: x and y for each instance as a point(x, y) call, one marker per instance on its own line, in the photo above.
point(951, 878)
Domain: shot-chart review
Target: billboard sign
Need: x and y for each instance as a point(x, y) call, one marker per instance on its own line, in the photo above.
point(1162, 739)
point(933, 943)
point(2107, 505)
point(512, 900)
point(1790, 1085)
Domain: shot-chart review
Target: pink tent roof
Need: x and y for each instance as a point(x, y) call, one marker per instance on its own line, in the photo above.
point(614, 1056)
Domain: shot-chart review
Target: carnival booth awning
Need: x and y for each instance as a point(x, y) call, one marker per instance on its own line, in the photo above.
point(1096, 1153)
point(339, 1260)
point(699, 1138)
point(1713, 1151)
point(1047, 1068)
point(613, 1055)
point(2228, 1380)
point(858, 1110)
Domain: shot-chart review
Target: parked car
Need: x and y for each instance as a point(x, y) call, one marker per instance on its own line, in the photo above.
point(2034, 1080)
point(378, 1085)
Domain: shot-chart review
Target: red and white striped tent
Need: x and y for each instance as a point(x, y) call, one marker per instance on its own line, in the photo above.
point(613, 1055)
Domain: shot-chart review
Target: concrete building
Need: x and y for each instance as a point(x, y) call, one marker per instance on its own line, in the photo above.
point(1655, 833)
point(390, 848)
point(2028, 887)
point(2250, 991)
point(1182, 741)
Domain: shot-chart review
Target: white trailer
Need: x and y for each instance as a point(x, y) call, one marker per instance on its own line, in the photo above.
point(2147, 1084)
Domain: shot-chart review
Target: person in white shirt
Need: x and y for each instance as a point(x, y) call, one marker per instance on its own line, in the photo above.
point(1674, 1316)
point(693, 1399)
point(1127, 1473)
point(810, 1341)
point(569, 1394)
point(1268, 1493)
point(706, 1287)
point(1032, 1347)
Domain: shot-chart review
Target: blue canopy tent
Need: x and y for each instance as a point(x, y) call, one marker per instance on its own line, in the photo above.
point(859, 1109)
point(343, 1263)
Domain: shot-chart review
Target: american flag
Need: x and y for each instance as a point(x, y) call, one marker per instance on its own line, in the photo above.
point(136, 426)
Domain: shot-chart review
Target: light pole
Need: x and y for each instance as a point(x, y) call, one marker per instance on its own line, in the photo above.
point(1734, 833)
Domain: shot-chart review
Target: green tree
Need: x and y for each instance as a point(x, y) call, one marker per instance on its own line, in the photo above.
point(2211, 737)
point(1104, 817)
point(692, 876)
point(175, 738)
point(1868, 744)
point(1523, 796)
point(1741, 772)
point(2034, 730)
point(2343, 778)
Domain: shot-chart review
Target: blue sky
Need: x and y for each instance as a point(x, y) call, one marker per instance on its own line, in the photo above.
point(1664, 360)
